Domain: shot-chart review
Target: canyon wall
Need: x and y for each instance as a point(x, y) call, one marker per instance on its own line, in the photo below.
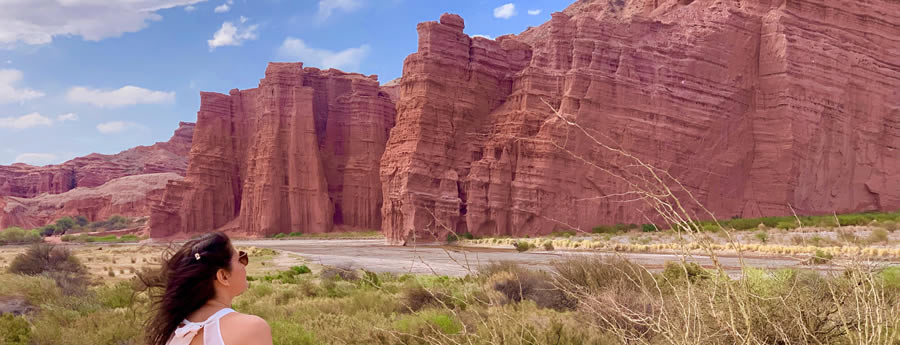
point(756, 108)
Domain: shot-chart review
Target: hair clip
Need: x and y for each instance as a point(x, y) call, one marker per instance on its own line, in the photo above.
point(197, 256)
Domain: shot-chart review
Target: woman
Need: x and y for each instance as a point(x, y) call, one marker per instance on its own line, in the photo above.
point(199, 281)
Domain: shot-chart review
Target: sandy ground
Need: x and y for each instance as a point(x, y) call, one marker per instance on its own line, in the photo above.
point(124, 260)
point(375, 256)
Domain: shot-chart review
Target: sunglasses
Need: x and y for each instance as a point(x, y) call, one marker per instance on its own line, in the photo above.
point(243, 258)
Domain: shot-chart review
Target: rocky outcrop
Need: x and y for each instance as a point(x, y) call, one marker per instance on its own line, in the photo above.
point(130, 196)
point(26, 181)
point(300, 153)
point(756, 107)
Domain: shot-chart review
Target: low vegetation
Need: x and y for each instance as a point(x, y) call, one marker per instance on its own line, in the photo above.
point(329, 235)
point(587, 300)
point(68, 226)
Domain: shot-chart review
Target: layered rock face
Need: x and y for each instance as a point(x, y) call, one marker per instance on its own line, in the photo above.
point(129, 196)
point(300, 153)
point(755, 107)
point(26, 181)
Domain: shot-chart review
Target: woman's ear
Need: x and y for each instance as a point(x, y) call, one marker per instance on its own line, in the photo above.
point(222, 277)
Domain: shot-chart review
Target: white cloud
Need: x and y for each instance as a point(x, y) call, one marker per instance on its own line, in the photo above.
point(327, 7)
point(534, 12)
point(230, 35)
point(25, 121)
point(39, 21)
point(38, 159)
point(189, 8)
point(126, 95)
point(115, 127)
point(222, 8)
point(67, 117)
point(347, 59)
point(505, 11)
point(8, 91)
point(485, 36)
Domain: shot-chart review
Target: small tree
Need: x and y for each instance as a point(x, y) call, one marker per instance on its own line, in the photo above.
point(48, 230)
point(81, 221)
point(56, 262)
point(65, 223)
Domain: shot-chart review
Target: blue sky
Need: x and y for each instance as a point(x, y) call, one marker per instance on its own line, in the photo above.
point(82, 76)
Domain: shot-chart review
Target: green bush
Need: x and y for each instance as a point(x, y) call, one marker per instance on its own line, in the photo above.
point(691, 271)
point(711, 228)
point(301, 269)
point(548, 245)
point(743, 224)
point(81, 221)
point(56, 262)
point(289, 333)
point(853, 219)
point(14, 330)
point(787, 225)
point(65, 223)
point(762, 236)
point(605, 230)
point(523, 246)
point(821, 257)
point(16, 235)
point(649, 228)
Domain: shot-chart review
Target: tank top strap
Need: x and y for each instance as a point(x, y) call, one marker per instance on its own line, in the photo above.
point(185, 333)
point(213, 331)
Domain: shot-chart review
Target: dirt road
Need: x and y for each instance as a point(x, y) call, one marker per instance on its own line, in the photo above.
point(375, 256)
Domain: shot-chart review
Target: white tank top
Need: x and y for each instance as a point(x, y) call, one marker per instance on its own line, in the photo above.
point(212, 335)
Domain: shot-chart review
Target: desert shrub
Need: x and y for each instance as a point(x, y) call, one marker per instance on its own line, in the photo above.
point(606, 230)
point(55, 262)
point(599, 274)
point(854, 219)
point(690, 272)
point(289, 333)
point(743, 224)
point(548, 245)
point(517, 284)
point(563, 233)
point(65, 224)
point(47, 230)
point(523, 246)
point(14, 330)
point(821, 257)
point(711, 228)
point(787, 225)
point(81, 221)
point(847, 236)
point(878, 235)
point(343, 273)
point(302, 269)
point(417, 297)
point(890, 225)
point(15, 235)
point(649, 228)
point(762, 236)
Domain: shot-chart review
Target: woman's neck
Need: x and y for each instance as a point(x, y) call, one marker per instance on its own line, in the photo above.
point(219, 302)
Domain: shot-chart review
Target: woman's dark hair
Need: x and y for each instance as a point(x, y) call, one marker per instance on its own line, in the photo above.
point(185, 283)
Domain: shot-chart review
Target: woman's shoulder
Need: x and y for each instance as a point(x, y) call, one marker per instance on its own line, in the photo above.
point(244, 320)
point(245, 329)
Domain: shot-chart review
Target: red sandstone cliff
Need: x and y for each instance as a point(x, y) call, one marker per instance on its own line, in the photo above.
point(755, 106)
point(26, 181)
point(129, 196)
point(300, 153)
